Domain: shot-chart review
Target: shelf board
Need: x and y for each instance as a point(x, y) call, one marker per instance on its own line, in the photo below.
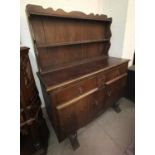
point(71, 43)
point(33, 13)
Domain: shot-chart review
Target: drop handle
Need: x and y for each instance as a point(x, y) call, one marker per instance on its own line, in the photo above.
point(102, 85)
point(103, 77)
point(80, 90)
point(95, 103)
point(109, 93)
point(118, 72)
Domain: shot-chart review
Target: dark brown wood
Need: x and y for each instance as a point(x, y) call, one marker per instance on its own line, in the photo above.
point(39, 11)
point(79, 80)
point(74, 142)
point(130, 87)
point(33, 128)
point(72, 43)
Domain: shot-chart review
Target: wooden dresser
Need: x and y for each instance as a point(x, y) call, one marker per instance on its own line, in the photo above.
point(33, 128)
point(79, 80)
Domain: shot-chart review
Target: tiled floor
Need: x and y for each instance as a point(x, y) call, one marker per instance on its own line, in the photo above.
point(109, 134)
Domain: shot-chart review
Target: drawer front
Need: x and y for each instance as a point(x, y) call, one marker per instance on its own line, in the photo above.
point(123, 68)
point(116, 71)
point(80, 113)
point(116, 83)
point(73, 91)
point(115, 89)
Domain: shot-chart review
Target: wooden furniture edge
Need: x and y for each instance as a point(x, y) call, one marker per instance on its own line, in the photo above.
point(66, 104)
point(48, 45)
point(23, 48)
point(82, 77)
point(59, 13)
point(117, 78)
point(75, 64)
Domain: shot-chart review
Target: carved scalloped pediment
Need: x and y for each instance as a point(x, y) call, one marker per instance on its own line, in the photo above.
point(39, 10)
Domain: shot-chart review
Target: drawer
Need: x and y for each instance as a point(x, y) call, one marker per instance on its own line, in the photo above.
point(116, 83)
point(115, 89)
point(73, 91)
point(116, 71)
point(123, 68)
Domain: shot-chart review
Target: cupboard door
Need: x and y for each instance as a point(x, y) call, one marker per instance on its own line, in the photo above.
point(115, 89)
point(82, 112)
point(67, 121)
point(96, 103)
point(78, 114)
point(73, 116)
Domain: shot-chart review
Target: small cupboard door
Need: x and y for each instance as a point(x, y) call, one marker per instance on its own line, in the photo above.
point(67, 121)
point(96, 103)
point(115, 89)
point(72, 117)
point(82, 112)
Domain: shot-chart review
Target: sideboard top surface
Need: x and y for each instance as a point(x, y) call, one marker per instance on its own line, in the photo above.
point(59, 78)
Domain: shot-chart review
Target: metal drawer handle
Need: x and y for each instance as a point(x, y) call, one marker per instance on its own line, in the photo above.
point(118, 72)
point(103, 77)
point(80, 90)
point(95, 103)
point(109, 93)
point(102, 86)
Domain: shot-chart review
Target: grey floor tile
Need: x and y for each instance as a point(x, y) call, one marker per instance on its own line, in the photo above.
point(59, 148)
point(97, 142)
point(122, 127)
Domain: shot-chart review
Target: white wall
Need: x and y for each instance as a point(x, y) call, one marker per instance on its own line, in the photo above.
point(117, 9)
point(129, 38)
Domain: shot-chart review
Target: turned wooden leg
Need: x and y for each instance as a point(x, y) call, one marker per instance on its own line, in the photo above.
point(74, 141)
point(116, 108)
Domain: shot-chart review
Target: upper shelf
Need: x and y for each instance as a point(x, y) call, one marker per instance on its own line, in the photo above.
point(40, 11)
point(71, 43)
